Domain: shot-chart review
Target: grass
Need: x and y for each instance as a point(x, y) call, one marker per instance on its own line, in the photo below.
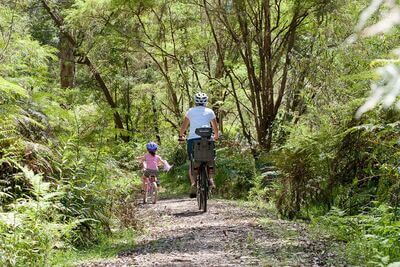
point(107, 247)
point(175, 183)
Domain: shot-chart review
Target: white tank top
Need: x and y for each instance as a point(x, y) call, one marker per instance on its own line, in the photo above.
point(199, 117)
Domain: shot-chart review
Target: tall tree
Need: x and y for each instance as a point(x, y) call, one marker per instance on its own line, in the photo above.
point(84, 59)
point(67, 57)
point(264, 33)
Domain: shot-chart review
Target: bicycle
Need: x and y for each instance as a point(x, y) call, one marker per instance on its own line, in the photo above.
point(202, 161)
point(151, 189)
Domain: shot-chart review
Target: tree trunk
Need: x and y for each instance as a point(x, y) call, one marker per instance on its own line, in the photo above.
point(155, 118)
point(67, 62)
point(58, 20)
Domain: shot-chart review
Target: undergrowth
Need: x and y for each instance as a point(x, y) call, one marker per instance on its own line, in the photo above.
point(370, 238)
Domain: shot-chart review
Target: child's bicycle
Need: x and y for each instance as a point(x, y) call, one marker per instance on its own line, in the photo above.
point(151, 190)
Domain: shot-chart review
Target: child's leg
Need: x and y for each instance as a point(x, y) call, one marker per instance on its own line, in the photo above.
point(144, 187)
point(155, 183)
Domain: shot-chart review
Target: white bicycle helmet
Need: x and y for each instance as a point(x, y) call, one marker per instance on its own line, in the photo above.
point(200, 99)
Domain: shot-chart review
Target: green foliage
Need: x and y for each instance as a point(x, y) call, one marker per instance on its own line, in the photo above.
point(79, 181)
point(371, 238)
point(348, 167)
point(234, 176)
point(106, 247)
point(235, 172)
point(367, 163)
point(305, 165)
point(31, 227)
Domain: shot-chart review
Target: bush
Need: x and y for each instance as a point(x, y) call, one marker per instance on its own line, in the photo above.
point(235, 172)
point(32, 227)
point(372, 238)
point(304, 163)
point(365, 167)
point(348, 167)
point(234, 177)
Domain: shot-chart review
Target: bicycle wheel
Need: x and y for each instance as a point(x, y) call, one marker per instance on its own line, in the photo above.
point(204, 188)
point(199, 194)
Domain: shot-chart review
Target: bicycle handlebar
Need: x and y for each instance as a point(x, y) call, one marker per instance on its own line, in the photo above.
point(183, 139)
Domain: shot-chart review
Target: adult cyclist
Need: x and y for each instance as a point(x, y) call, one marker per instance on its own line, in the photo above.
point(197, 117)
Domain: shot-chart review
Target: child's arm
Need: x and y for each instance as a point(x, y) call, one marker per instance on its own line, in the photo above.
point(141, 160)
point(167, 167)
point(160, 160)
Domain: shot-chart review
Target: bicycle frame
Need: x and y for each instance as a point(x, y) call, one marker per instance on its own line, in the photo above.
point(203, 156)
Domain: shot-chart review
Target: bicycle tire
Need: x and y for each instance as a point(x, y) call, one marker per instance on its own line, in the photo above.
point(204, 187)
point(199, 194)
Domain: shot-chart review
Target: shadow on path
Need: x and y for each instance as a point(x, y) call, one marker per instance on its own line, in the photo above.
point(197, 239)
point(187, 214)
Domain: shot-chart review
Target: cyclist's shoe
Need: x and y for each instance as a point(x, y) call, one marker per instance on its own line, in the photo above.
point(211, 182)
point(158, 183)
point(142, 191)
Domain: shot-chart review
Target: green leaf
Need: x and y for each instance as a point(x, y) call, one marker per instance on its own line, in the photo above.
point(12, 88)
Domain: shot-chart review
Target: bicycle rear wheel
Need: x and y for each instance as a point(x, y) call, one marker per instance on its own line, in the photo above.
point(199, 193)
point(203, 188)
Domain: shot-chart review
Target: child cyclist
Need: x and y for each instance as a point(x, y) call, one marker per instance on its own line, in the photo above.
point(150, 162)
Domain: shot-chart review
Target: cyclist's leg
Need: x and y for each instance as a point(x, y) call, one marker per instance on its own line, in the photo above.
point(211, 169)
point(190, 155)
point(153, 177)
point(145, 179)
point(211, 172)
point(191, 176)
point(153, 182)
point(143, 184)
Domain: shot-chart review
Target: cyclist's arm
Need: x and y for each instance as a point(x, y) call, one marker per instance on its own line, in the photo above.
point(214, 125)
point(184, 126)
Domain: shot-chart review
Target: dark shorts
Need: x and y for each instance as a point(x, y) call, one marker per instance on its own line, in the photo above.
point(148, 173)
point(190, 143)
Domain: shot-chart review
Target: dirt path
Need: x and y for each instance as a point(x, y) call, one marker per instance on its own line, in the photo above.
point(229, 234)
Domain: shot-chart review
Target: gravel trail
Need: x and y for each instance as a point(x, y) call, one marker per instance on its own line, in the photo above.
point(229, 234)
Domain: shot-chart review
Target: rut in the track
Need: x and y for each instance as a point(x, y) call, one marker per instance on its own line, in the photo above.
point(229, 234)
